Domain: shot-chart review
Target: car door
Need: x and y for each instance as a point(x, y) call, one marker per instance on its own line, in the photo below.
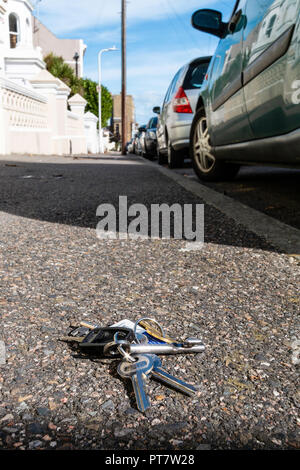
point(228, 118)
point(272, 66)
point(162, 121)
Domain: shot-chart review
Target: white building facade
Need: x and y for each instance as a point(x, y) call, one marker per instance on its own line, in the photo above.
point(34, 115)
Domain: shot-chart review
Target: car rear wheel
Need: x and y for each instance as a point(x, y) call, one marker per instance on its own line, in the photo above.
point(148, 154)
point(174, 157)
point(205, 164)
point(161, 157)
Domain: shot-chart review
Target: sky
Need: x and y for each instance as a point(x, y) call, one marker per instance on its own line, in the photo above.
point(160, 39)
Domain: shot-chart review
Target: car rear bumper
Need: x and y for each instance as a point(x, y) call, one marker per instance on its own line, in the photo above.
point(179, 132)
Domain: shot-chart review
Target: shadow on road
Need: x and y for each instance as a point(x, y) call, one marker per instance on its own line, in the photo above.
point(68, 191)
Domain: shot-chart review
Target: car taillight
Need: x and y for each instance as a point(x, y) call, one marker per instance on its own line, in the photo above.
point(181, 103)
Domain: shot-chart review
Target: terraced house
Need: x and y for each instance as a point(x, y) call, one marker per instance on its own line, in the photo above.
point(34, 115)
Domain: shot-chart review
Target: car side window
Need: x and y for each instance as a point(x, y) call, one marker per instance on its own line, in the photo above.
point(172, 86)
point(167, 94)
point(175, 81)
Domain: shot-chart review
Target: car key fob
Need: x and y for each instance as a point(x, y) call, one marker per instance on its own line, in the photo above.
point(97, 339)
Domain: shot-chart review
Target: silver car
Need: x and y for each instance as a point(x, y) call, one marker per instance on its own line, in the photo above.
point(148, 140)
point(177, 113)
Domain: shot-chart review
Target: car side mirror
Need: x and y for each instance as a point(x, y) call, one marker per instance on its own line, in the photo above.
point(156, 110)
point(209, 21)
point(142, 129)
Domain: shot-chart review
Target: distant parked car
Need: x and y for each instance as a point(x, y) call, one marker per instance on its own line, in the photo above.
point(138, 142)
point(177, 113)
point(149, 140)
point(130, 146)
point(134, 143)
point(249, 106)
point(126, 146)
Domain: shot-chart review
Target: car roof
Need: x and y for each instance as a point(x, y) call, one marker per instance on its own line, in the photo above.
point(199, 60)
point(196, 61)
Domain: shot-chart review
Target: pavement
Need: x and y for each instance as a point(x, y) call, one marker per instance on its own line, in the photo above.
point(239, 294)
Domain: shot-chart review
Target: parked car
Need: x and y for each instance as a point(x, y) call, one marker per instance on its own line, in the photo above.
point(138, 140)
point(127, 146)
point(249, 106)
point(177, 112)
point(130, 146)
point(148, 139)
point(134, 143)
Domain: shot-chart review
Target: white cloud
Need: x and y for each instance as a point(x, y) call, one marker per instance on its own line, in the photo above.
point(145, 102)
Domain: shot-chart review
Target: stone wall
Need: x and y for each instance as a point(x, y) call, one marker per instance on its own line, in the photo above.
point(40, 123)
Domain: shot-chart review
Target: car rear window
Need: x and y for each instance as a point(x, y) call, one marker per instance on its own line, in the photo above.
point(195, 76)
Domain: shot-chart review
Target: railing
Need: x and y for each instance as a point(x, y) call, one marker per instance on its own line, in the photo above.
point(23, 120)
point(31, 124)
point(23, 108)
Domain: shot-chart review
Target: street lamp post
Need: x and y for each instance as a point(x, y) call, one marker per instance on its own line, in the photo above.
point(101, 149)
point(76, 58)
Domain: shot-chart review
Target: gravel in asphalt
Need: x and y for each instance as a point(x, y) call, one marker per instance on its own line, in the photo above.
point(238, 294)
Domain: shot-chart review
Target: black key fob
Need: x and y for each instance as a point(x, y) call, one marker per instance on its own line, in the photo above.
point(95, 341)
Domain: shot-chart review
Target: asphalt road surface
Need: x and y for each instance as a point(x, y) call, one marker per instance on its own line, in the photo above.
point(238, 294)
point(273, 191)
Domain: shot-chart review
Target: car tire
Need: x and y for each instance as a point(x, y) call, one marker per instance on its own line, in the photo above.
point(205, 164)
point(174, 157)
point(146, 154)
point(162, 160)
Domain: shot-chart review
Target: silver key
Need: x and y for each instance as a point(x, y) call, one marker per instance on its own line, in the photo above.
point(137, 372)
point(189, 346)
point(169, 380)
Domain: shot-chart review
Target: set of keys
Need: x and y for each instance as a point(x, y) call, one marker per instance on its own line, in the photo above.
point(138, 345)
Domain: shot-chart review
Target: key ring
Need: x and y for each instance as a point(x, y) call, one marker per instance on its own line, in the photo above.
point(148, 319)
point(109, 348)
point(120, 343)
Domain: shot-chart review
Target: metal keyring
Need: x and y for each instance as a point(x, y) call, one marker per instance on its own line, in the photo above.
point(120, 343)
point(148, 319)
point(109, 348)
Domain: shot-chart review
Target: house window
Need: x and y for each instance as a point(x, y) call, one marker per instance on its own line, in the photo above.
point(14, 33)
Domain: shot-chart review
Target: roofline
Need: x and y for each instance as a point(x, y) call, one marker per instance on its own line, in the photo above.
point(57, 37)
